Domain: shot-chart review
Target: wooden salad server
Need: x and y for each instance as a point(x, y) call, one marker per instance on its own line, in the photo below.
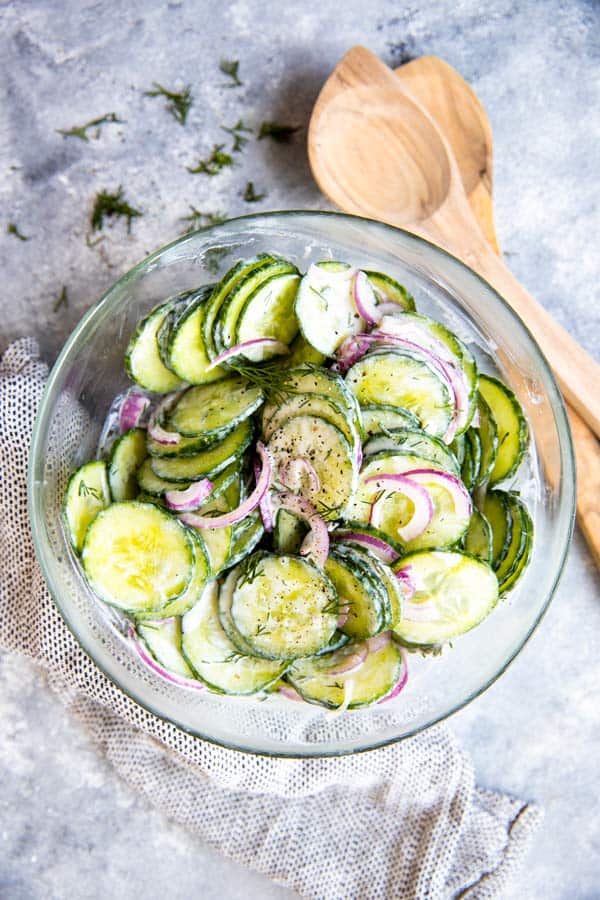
point(463, 121)
point(374, 151)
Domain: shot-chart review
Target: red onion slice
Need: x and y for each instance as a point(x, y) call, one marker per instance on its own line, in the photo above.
point(364, 298)
point(132, 410)
point(401, 683)
point(406, 579)
point(155, 429)
point(265, 506)
point(278, 348)
point(462, 500)
point(416, 493)
point(378, 641)
point(351, 660)
point(379, 547)
point(286, 690)
point(248, 506)
point(190, 498)
point(160, 670)
point(316, 542)
point(290, 473)
point(343, 612)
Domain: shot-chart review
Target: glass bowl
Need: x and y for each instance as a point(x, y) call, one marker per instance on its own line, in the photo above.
point(89, 372)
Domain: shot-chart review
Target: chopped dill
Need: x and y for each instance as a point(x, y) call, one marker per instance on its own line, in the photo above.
point(213, 258)
point(86, 491)
point(179, 102)
point(230, 67)
point(237, 133)
point(13, 229)
point(198, 219)
point(268, 376)
point(62, 300)
point(332, 607)
point(233, 657)
point(214, 163)
point(282, 134)
point(261, 628)
point(250, 570)
point(250, 195)
point(81, 131)
point(329, 513)
point(112, 205)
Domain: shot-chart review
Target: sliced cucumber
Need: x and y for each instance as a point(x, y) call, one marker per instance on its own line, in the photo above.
point(137, 557)
point(384, 576)
point(212, 410)
point(326, 449)
point(195, 586)
point(301, 352)
point(406, 380)
point(269, 312)
point(246, 538)
point(163, 640)
point(496, 511)
point(323, 680)
point(453, 593)
point(478, 537)
point(150, 483)
point(518, 550)
point(218, 543)
point(310, 379)
point(177, 308)
point(127, 455)
point(348, 529)
point(230, 280)
point(360, 593)
point(512, 430)
point(214, 659)
point(186, 352)
point(142, 358)
point(488, 435)
point(413, 441)
point(283, 606)
point(312, 405)
point(389, 290)
point(87, 494)
point(288, 533)
point(377, 419)
point(472, 459)
point(206, 463)
point(325, 308)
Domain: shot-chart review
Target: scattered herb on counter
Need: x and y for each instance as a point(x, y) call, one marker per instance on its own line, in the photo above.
point(236, 131)
point(250, 195)
point(281, 133)
point(62, 300)
point(13, 229)
point(179, 101)
point(112, 205)
point(214, 163)
point(213, 258)
point(81, 131)
point(230, 67)
point(198, 219)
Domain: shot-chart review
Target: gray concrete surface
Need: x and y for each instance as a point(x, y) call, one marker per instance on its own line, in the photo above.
point(68, 827)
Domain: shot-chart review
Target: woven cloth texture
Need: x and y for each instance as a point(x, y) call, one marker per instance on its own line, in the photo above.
point(405, 821)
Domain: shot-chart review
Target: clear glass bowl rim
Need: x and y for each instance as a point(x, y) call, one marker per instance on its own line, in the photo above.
point(567, 486)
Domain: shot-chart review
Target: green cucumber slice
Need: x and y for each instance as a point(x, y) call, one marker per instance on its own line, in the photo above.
point(453, 593)
point(359, 592)
point(488, 435)
point(232, 277)
point(288, 533)
point(518, 550)
point(319, 680)
point(495, 509)
point(186, 351)
point(208, 410)
point(127, 455)
point(86, 495)
point(327, 450)
point(207, 463)
point(283, 606)
point(142, 358)
point(377, 419)
point(163, 640)
point(214, 659)
point(137, 557)
point(310, 379)
point(269, 312)
point(311, 405)
point(389, 290)
point(406, 380)
point(200, 574)
point(512, 430)
point(383, 576)
point(150, 483)
point(325, 307)
point(478, 537)
point(472, 460)
point(413, 441)
point(246, 538)
point(301, 353)
point(218, 542)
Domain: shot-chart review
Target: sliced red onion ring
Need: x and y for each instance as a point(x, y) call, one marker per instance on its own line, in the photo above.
point(344, 612)
point(132, 410)
point(286, 690)
point(291, 471)
point(351, 660)
point(376, 545)
point(316, 542)
point(246, 507)
point(190, 498)
point(388, 308)
point(423, 505)
point(160, 670)
point(378, 642)
point(155, 429)
point(265, 505)
point(409, 330)
point(364, 298)
point(462, 500)
point(401, 683)
point(405, 577)
point(278, 348)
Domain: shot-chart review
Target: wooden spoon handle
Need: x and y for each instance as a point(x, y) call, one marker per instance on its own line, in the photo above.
point(587, 455)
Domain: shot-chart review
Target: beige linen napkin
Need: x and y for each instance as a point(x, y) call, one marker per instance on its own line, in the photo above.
point(405, 821)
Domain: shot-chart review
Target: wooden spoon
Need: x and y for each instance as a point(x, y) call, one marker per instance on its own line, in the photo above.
point(462, 119)
point(375, 152)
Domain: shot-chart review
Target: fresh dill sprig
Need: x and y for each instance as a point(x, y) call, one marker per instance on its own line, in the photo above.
point(86, 491)
point(81, 131)
point(214, 163)
point(214, 257)
point(62, 300)
point(250, 570)
point(198, 219)
point(329, 513)
point(268, 376)
point(250, 195)
point(112, 205)
point(179, 102)
point(332, 607)
point(11, 228)
point(282, 134)
point(230, 67)
point(237, 133)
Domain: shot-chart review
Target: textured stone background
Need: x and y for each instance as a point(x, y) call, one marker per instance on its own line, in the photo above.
point(68, 827)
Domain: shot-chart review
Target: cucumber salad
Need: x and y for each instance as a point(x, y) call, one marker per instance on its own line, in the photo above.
point(307, 482)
